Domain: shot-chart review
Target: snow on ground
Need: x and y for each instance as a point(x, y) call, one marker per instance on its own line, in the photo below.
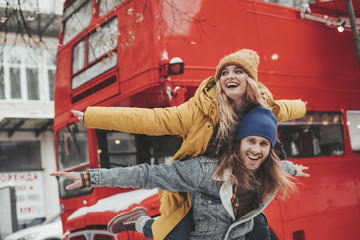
point(116, 203)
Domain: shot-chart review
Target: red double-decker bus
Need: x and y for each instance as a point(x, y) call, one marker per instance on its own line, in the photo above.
point(132, 53)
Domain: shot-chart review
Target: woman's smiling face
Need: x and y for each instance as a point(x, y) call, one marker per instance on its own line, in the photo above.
point(233, 82)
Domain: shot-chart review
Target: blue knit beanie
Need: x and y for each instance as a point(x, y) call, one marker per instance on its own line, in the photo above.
point(258, 122)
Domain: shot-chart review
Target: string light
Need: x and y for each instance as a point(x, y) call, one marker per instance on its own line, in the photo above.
point(275, 57)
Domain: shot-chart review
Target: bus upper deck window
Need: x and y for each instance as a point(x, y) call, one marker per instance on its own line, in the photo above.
point(76, 17)
point(353, 121)
point(78, 56)
point(106, 5)
point(102, 41)
point(316, 134)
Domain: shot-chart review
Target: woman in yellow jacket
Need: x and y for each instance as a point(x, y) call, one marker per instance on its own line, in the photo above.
point(206, 122)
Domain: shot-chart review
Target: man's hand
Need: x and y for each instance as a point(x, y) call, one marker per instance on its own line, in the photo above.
point(74, 176)
point(299, 171)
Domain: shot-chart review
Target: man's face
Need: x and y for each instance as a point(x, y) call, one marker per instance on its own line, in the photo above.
point(254, 150)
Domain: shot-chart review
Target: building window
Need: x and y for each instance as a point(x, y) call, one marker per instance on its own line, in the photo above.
point(25, 74)
point(15, 85)
point(2, 78)
point(51, 77)
point(32, 84)
point(51, 67)
point(11, 159)
point(2, 84)
point(30, 60)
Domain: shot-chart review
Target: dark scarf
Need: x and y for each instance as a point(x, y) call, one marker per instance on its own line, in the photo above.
point(243, 201)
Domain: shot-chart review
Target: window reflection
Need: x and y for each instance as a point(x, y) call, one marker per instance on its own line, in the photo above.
point(106, 5)
point(93, 71)
point(117, 149)
point(353, 118)
point(72, 146)
point(288, 3)
point(102, 41)
point(78, 56)
point(316, 134)
point(76, 17)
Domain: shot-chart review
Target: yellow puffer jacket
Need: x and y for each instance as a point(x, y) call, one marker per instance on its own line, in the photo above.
point(194, 121)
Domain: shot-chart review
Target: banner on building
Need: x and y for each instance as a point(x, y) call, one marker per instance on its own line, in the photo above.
point(29, 191)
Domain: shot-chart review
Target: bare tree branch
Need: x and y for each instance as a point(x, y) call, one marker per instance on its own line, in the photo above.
point(23, 20)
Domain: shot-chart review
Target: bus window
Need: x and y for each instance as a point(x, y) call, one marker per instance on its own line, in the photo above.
point(73, 150)
point(103, 40)
point(106, 5)
point(316, 134)
point(353, 121)
point(78, 56)
point(76, 17)
point(93, 71)
point(117, 149)
point(73, 147)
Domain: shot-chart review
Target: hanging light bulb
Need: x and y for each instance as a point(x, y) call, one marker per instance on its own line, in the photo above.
point(341, 27)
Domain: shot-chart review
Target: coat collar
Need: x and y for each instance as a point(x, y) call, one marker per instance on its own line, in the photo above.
point(205, 98)
point(226, 192)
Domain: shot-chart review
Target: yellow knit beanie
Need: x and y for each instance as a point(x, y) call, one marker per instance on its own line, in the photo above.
point(247, 59)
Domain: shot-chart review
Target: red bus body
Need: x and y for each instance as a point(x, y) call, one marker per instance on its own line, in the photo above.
point(299, 59)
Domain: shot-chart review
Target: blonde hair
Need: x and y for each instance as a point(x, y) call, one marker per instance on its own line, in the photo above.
point(269, 178)
point(226, 113)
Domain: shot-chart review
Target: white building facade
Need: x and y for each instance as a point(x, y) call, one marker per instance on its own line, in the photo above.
point(27, 72)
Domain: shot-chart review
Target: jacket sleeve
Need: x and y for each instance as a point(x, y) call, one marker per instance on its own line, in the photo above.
point(183, 176)
point(156, 121)
point(288, 167)
point(284, 110)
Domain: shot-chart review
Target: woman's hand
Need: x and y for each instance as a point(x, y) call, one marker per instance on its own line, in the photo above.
point(299, 171)
point(74, 176)
point(79, 115)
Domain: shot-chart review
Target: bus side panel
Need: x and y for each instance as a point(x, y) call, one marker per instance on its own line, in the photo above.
point(225, 28)
point(324, 226)
point(327, 205)
point(273, 216)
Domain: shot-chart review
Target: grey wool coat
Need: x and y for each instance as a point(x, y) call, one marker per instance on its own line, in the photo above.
point(212, 209)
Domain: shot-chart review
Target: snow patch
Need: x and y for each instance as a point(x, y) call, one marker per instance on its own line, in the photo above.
point(116, 203)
